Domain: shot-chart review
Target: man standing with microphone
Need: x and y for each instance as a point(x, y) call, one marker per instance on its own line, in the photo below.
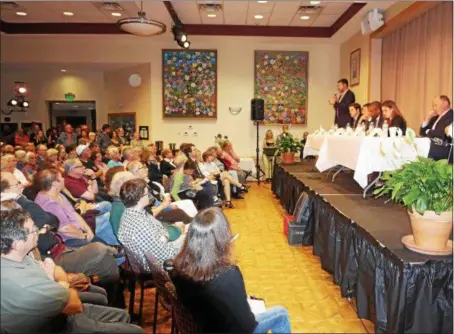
point(340, 102)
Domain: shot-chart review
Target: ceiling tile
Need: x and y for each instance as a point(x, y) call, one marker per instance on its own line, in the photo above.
point(325, 20)
point(283, 13)
point(235, 12)
point(187, 11)
point(335, 8)
point(297, 22)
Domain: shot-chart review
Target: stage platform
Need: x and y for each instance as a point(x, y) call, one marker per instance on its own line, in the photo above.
point(359, 242)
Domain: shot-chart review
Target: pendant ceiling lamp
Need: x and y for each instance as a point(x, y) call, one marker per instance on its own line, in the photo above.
point(141, 25)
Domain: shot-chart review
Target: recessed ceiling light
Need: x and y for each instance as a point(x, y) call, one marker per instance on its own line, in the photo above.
point(63, 70)
point(262, 1)
point(21, 13)
point(68, 13)
point(211, 15)
point(305, 17)
point(116, 14)
point(315, 2)
point(258, 17)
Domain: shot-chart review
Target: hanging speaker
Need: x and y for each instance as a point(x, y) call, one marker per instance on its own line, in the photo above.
point(257, 110)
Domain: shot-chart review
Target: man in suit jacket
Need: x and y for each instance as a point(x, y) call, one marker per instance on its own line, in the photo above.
point(341, 103)
point(434, 126)
point(438, 120)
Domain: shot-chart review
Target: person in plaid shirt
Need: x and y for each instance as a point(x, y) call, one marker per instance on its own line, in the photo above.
point(139, 231)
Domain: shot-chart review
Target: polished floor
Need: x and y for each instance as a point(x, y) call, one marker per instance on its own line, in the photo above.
point(279, 273)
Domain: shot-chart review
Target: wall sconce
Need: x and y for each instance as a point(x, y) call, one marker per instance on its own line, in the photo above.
point(235, 110)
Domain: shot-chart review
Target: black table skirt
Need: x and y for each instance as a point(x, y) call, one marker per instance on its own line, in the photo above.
point(398, 296)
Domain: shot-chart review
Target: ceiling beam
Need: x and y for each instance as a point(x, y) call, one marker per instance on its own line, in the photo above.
point(246, 30)
point(60, 28)
point(346, 16)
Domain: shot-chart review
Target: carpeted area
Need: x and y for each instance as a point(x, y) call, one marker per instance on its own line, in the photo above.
point(279, 273)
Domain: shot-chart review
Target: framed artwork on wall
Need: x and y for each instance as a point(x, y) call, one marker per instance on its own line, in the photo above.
point(281, 80)
point(355, 67)
point(127, 121)
point(143, 132)
point(189, 84)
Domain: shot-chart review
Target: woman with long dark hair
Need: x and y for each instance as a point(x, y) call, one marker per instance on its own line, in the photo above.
point(393, 116)
point(211, 286)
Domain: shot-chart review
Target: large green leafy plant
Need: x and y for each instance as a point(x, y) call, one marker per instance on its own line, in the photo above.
point(421, 185)
point(288, 144)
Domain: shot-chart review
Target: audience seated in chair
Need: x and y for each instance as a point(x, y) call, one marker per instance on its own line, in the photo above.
point(211, 287)
point(35, 298)
point(73, 228)
point(139, 231)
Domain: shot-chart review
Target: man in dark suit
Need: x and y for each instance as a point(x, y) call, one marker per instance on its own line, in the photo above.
point(434, 126)
point(341, 102)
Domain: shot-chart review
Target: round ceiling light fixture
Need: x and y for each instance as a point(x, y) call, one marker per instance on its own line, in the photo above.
point(141, 25)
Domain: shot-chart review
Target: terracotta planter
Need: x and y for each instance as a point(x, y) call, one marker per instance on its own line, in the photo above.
point(287, 157)
point(431, 231)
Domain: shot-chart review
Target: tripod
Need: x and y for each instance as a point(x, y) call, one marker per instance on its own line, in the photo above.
point(258, 169)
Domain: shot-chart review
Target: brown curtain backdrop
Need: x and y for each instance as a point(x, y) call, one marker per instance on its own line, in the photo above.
point(417, 63)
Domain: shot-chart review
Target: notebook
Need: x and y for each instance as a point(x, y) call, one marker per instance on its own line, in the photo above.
point(257, 305)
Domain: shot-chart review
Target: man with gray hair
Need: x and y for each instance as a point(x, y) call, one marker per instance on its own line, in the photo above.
point(35, 298)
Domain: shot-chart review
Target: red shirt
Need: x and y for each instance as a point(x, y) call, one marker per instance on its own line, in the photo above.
point(21, 140)
point(76, 186)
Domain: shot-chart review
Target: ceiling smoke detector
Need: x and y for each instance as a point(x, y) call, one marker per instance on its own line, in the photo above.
point(309, 10)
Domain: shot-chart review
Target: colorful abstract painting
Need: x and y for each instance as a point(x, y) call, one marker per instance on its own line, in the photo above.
point(281, 79)
point(189, 84)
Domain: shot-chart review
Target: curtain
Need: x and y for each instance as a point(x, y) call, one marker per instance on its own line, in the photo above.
point(417, 63)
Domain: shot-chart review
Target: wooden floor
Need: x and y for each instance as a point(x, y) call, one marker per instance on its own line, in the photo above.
point(279, 273)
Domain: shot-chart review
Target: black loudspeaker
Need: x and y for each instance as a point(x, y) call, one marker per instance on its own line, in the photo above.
point(257, 110)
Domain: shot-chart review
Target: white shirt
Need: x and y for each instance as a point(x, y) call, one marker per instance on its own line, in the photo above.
point(169, 161)
point(440, 117)
point(425, 123)
point(211, 167)
point(20, 176)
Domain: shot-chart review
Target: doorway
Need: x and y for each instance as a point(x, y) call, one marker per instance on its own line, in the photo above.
point(76, 113)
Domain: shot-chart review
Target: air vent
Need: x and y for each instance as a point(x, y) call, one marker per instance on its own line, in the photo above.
point(112, 6)
point(310, 9)
point(108, 6)
point(9, 5)
point(210, 7)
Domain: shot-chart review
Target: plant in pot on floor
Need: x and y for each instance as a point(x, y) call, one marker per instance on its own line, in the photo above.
point(424, 187)
point(287, 147)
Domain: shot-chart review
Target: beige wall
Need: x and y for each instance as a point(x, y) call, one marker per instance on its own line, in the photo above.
point(235, 78)
point(47, 85)
point(120, 97)
point(370, 57)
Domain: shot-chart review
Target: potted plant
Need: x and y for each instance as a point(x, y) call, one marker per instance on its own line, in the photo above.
point(424, 186)
point(287, 147)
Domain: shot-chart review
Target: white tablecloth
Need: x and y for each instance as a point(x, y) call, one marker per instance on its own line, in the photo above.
point(313, 145)
point(248, 164)
point(364, 154)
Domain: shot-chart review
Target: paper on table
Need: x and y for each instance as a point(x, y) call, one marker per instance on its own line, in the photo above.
point(257, 306)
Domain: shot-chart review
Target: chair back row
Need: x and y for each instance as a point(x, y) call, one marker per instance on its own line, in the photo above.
point(184, 320)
